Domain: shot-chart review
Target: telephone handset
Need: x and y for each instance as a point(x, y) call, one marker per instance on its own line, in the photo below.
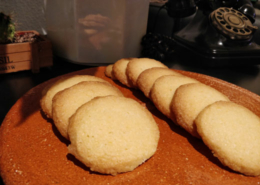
point(221, 32)
point(243, 6)
point(183, 8)
point(232, 18)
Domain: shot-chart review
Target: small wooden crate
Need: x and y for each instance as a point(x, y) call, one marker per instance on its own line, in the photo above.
point(26, 56)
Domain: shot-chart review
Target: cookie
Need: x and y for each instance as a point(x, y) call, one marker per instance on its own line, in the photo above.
point(113, 134)
point(163, 90)
point(232, 132)
point(61, 84)
point(109, 72)
point(189, 100)
point(136, 66)
point(119, 71)
point(147, 78)
point(66, 102)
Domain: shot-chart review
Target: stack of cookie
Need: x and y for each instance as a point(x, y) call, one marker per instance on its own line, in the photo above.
point(104, 127)
point(230, 130)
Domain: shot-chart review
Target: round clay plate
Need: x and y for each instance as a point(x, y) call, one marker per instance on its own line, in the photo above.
point(33, 152)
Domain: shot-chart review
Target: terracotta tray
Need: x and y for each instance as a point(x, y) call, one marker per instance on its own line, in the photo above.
point(33, 152)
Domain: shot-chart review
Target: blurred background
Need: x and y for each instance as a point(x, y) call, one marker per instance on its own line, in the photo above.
point(26, 13)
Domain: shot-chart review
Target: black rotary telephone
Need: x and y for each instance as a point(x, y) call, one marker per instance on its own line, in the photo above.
point(221, 33)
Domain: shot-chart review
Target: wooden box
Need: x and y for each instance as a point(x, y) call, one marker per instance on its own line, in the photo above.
point(26, 56)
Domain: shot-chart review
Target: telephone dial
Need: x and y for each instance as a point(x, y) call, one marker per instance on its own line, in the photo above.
point(221, 33)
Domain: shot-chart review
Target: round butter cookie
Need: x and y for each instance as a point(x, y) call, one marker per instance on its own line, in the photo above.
point(66, 102)
point(163, 91)
point(109, 72)
point(113, 134)
point(136, 66)
point(189, 100)
point(147, 78)
point(119, 71)
point(63, 83)
point(232, 132)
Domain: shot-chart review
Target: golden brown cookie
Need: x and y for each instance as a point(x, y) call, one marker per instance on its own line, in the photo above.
point(119, 71)
point(66, 102)
point(136, 66)
point(163, 91)
point(61, 84)
point(189, 100)
point(147, 78)
point(232, 132)
point(113, 134)
point(109, 72)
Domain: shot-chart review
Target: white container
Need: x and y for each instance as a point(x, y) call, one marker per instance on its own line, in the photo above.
point(96, 31)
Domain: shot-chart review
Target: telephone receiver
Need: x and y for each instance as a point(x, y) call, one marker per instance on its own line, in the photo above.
point(237, 16)
point(184, 8)
point(220, 33)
